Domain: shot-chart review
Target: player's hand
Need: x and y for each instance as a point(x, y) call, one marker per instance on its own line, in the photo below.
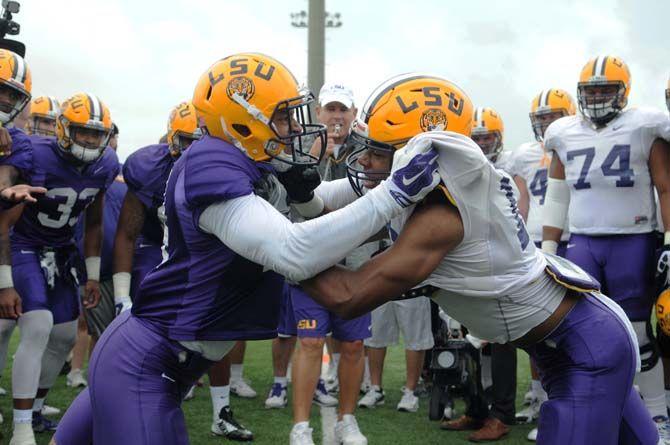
point(91, 294)
point(122, 304)
point(414, 173)
point(5, 142)
point(10, 303)
point(300, 182)
point(22, 192)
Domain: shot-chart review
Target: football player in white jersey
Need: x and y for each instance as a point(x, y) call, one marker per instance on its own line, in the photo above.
point(488, 132)
point(469, 241)
point(528, 168)
point(606, 163)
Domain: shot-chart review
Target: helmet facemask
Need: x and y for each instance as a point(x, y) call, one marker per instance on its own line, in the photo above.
point(181, 140)
point(12, 101)
point(43, 125)
point(540, 125)
point(359, 177)
point(492, 146)
point(295, 133)
point(602, 107)
point(85, 143)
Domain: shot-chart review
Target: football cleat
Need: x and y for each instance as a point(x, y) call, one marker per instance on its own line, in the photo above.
point(230, 428)
point(321, 396)
point(332, 385)
point(663, 426)
point(50, 411)
point(347, 432)
point(532, 435)
point(529, 397)
point(409, 403)
point(41, 424)
point(278, 397)
point(530, 413)
point(372, 398)
point(487, 132)
point(75, 379)
point(23, 435)
point(301, 435)
point(190, 394)
point(3, 392)
point(242, 389)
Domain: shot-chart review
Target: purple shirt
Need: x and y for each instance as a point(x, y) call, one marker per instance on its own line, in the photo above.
point(146, 172)
point(70, 189)
point(205, 291)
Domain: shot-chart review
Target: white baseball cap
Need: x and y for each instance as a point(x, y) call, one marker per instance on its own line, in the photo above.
point(336, 92)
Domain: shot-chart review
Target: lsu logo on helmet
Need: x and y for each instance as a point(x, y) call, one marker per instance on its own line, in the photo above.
point(433, 119)
point(241, 86)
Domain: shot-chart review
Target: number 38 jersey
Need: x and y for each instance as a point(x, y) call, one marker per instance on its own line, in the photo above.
point(530, 162)
point(493, 281)
point(70, 189)
point(607, 170)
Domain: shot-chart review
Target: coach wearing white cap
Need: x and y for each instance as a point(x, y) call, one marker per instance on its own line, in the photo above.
point(337, 111)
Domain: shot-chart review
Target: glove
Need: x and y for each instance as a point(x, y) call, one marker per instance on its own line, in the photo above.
point(300, 182)
point(122, 304)
point(663, 268)
point(414, 173)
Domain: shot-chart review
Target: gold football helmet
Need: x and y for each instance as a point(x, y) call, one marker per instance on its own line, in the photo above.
point(603, 89)
point(43, 113)
point(488, 131)
point(548, 106)
point(15, 85)
point(182, 128)
point(83, 127)
point(398, 110)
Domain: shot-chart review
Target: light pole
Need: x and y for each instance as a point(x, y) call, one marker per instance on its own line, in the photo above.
point(316, 21)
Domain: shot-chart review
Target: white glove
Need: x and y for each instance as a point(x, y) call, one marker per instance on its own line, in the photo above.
point(414, 173)
point(122, 304)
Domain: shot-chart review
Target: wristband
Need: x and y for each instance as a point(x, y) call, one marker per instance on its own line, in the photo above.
point(93, 268)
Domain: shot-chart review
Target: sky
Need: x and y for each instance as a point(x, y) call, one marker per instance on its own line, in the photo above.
point(144, 57)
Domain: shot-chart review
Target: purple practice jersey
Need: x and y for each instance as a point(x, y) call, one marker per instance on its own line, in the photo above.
point(113, 202)
point(204, 290)
point(146, 172)
point(70, 189)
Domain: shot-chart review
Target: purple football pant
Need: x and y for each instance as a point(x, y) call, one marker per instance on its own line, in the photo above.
point(29, 281)
point(314, 320)
point(587, 365)
point(287, 325)
point(76, 426)
point(146, 258)
point(624, 266)
point(137, 380)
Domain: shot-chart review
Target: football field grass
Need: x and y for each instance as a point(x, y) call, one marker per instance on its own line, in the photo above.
point(383, 425)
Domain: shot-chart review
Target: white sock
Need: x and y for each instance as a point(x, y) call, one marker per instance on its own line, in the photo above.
point(220, 398)
point(281, 380)
point(301, 425)
point(236, 372)
point(23, 416)
point(38, 404)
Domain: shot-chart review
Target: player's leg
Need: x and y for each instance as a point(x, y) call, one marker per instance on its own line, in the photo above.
point(223, 420)
point(385, 332)
point(349, 335)
point(414, 319)
point(75, 378)
point(282, 350)
point(76, 425)
point(137, 379)
point(238, 386)
point(6, 329)
point(587, 366)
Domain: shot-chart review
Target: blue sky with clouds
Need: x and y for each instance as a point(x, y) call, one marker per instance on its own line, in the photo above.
point(143, 57)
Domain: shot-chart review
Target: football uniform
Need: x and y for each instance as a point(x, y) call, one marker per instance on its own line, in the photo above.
point(531, 163)
point(46, 266)
point(612, 211)
point(146, 172)
point(496, 283)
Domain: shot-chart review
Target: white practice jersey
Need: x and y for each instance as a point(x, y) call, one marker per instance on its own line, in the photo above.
point(531, 163)
point(504, 161)
point(494, 281)
point(607, 170)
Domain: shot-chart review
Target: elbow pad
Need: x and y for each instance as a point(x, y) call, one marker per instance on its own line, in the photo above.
point(556, 203)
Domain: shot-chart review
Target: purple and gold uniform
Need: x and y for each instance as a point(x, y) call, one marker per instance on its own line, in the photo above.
point(50, 223)
point(146, 172)
point(203, 292)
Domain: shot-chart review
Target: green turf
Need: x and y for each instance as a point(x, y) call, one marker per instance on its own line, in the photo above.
point(383, 425)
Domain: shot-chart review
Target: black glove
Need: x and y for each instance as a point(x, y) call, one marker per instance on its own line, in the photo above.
point(662, 268)
point(300, 182)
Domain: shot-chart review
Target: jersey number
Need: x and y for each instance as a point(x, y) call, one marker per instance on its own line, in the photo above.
point(620, 153)
point(64, 209)
point(538, 186)
point(521, 233)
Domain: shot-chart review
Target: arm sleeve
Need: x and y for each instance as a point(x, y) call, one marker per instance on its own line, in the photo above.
point(336, 194)
point(252, 228)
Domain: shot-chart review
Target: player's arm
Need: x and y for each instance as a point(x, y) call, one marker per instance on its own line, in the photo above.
point(11, 192)
point(556, 203)
point(131, 220)
point(92, 249)
point(430, 234)
point(10, 302)
point(524, 198)
point(659, 168)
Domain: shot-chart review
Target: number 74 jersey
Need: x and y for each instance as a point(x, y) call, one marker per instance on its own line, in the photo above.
point(607, 170)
